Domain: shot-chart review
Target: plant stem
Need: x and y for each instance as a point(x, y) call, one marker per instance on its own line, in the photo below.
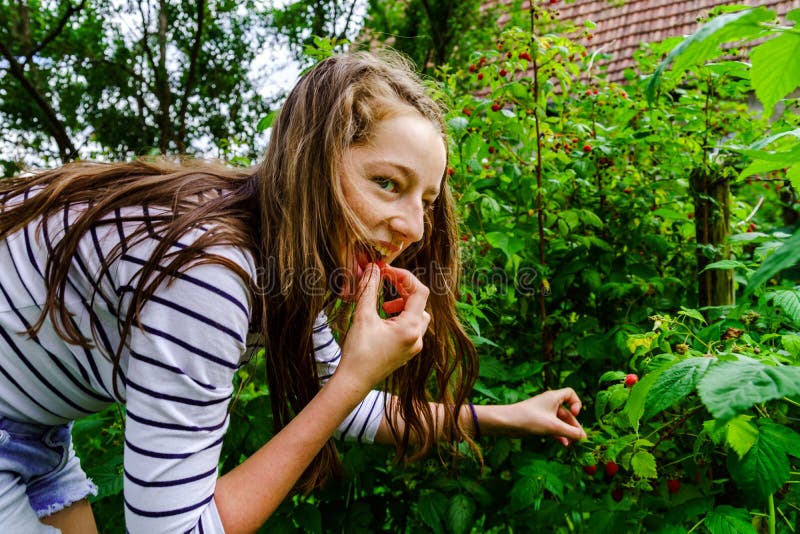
point(547, 345)
point(771, 514)
point(695, 526)
point(790, 401)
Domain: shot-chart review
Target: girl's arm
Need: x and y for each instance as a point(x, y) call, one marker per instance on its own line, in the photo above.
point(246, 496)
point(550, 413)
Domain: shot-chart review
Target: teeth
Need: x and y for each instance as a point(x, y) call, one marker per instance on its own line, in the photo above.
point(383, 251)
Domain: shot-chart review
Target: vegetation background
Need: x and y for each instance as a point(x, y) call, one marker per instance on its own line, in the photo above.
point(645, 228)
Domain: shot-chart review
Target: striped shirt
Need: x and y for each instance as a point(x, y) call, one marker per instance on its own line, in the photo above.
point(176, 372)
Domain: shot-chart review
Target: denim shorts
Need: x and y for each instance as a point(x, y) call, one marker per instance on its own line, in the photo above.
point(39, 474)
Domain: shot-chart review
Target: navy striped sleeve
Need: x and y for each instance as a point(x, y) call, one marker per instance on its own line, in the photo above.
point(363, 422)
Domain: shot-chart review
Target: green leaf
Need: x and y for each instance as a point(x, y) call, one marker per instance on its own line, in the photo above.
point(644, 465)
point(266, 121)
point(789, 302)
point(634, 408)
point(591, 219)
point(761, 471)
point(704, 44)
point(761, 166)
point(729, 388)
point(637, 341)
point(791, 342)
point(674, 384)
point(612, 376)
point(776, 69)
point(525, 492)
point(694, 314)
point(308, 517)
point(459, 514)
point(783, 436)
point(741, 434)
point(547, 475)
point(729, 520)
point(787, 255)
point(432, 507)
point(492, 368)
point(508, 244)
point(724, 264)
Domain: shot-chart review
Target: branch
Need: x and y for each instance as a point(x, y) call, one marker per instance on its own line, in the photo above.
point(56, 128)
point(145, 36)
point(343, 33)
point(71, 10)
point(190, 77)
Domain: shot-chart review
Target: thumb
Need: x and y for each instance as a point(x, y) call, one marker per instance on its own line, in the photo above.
point(368, 291)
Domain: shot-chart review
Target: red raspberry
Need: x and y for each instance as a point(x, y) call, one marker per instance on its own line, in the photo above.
point(612, 468)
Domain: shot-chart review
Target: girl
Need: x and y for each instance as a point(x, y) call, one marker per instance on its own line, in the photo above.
point(151, 283)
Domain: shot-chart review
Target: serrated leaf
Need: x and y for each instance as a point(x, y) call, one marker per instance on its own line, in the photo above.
point(782, 436)
point(675, 383)
point(590, 218)
point(740, 434)
point(525, 492)
point(459, 514)
point(548, 475)
point(508, 244)
point(637, 341)
point(704, 43)
point(789, 302)
point(492, 368)
point(694, 314)
point(432, 507)
point(634, 408)
point(761, 471)
point(612, 376)
point(729, 520)
point(791, 342)
point(644, 465)
point(787, 255)
point(776, 69)
point(732, 387)
point(761, 166)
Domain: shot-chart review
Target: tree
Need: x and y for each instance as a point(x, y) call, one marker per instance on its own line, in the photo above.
point(147, 75)
point(431, 32)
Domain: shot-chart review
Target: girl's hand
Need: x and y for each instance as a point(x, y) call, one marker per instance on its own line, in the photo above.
point(550, 413)
point(374, 347)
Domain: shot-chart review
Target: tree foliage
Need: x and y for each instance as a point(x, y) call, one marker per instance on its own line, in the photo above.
point(89, 78)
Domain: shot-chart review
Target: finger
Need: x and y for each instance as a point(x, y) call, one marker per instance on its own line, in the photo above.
point(394, 306)
point(397, 277)
point(409, 287)
point(368, 290)
point(570, 432)
point(564, 441)
point(569, 397)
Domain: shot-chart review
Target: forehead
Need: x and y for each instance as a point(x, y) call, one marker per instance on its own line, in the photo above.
point(408, 143)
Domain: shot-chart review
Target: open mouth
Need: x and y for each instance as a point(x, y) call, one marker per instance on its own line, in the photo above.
point(374, 252)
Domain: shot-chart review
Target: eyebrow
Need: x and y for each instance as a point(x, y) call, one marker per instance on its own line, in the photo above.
point(408, 172)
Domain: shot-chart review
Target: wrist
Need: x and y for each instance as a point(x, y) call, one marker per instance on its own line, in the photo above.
point(495, 419)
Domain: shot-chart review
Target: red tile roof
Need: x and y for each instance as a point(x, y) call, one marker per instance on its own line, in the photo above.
point(622, 28)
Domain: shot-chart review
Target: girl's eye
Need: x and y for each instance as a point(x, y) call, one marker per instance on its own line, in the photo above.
point(386, 184)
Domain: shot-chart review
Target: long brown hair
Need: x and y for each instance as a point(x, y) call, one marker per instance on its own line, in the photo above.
point(283, 212)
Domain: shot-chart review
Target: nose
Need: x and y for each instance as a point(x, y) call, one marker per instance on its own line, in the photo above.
point(408, 222)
